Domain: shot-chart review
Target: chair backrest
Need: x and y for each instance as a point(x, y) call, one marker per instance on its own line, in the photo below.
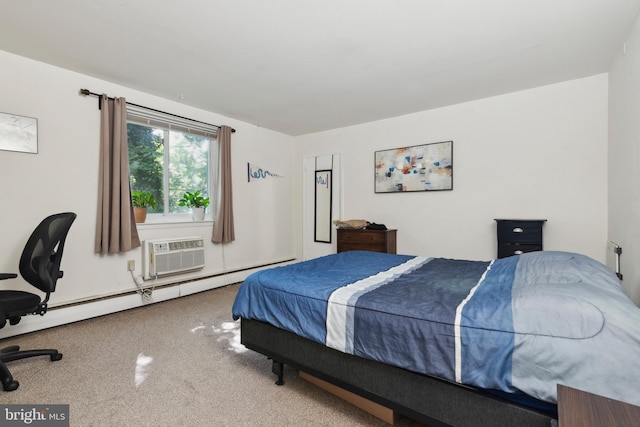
point(40, 260)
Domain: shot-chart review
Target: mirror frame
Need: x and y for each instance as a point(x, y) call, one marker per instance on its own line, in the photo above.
point(323, 206)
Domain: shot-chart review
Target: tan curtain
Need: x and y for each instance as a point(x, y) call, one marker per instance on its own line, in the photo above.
point(223, 231)
point(115, 225)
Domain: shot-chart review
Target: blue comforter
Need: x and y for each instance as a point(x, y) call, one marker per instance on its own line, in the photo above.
point(521, 324)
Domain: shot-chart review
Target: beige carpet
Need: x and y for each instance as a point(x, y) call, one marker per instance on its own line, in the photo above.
point(175, 363)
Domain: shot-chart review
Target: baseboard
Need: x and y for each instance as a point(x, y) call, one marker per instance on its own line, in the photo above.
point(73, 313)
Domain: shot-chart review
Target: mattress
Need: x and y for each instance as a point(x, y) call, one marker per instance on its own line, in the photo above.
point(517, 325)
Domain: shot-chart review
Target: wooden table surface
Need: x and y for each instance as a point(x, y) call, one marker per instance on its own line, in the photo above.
point(577, 408)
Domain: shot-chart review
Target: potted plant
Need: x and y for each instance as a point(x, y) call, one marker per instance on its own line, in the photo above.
point(196, 202)
point(141, 201)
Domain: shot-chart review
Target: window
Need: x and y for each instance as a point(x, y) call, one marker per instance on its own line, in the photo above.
point(169, 156)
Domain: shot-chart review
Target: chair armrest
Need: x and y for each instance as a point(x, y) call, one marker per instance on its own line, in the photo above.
point(4, 276)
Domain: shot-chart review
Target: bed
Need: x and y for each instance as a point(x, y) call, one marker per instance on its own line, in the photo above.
point(446, 341)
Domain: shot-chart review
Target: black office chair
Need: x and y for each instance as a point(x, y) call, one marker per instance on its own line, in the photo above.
point(40, 266)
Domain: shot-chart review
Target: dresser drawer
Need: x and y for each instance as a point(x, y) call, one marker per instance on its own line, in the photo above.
point(361, 236)
point(520, 231)
point(366, 240)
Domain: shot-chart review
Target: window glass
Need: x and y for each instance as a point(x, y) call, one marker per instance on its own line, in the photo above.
point(188, 167)
point(146, 162)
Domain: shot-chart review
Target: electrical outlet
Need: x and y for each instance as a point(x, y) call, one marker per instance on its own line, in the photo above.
point(131, 265)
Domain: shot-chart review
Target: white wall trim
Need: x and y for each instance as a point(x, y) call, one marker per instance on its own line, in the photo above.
point(74, 313)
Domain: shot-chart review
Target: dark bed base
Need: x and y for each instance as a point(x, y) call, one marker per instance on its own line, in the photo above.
point(418, 397)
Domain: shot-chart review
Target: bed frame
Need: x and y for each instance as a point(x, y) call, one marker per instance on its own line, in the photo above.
point(418, 397)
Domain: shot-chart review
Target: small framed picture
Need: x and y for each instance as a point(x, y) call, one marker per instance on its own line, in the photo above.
point(18, 133)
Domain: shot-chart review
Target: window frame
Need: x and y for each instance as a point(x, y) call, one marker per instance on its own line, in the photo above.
point(167, 122)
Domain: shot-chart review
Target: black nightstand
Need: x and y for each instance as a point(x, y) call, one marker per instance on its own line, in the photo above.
point(517, 236)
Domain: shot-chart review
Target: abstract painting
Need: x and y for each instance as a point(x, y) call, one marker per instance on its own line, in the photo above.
point(427, 167)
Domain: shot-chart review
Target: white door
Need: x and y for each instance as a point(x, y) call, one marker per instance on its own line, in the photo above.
point(311, 248)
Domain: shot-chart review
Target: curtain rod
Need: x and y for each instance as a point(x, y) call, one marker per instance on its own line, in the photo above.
point(88, 92)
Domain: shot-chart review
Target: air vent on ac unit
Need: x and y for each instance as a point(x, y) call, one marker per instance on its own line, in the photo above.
point(171, 256)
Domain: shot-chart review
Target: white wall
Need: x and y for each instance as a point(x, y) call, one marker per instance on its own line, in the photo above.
point(63, 177)
point(539, 153)
point(624, 158)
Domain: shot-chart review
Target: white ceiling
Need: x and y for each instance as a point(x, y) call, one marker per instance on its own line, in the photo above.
point(302, 66)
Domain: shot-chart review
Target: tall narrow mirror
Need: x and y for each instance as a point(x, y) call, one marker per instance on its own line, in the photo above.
point(323, 206)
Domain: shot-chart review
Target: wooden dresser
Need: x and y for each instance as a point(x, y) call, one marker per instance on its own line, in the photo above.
point(366, 240)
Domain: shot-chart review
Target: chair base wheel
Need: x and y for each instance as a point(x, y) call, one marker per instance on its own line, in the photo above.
point(12, 353)
point(13, 385)
point(8, 383)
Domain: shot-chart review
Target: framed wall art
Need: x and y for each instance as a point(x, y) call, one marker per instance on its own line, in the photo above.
point(427, 167)
point(18, 133)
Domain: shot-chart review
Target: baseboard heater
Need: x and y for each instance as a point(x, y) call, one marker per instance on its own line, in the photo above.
point(173, 256)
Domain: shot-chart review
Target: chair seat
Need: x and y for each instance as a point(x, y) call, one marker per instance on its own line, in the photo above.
point(18, 303)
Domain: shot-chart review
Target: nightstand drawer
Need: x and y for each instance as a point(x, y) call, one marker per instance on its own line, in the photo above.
point(520, 231)
point(509, 249)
